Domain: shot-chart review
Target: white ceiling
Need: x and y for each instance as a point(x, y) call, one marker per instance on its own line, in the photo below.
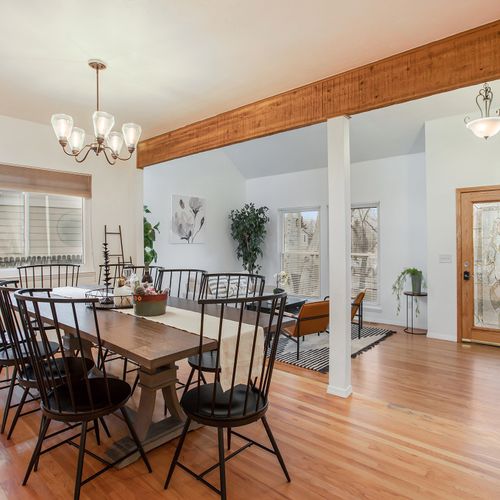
point(392, 131)
point(172, 62)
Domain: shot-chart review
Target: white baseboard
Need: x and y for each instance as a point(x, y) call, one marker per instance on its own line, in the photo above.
point(441, 336)
point(342, 392)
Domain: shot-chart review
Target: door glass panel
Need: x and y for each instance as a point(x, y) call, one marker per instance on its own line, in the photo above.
point(486, 272)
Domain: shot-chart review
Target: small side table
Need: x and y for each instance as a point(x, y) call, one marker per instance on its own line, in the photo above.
point(409, 306)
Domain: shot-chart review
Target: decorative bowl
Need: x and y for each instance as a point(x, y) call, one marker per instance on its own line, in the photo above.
point(150, 305)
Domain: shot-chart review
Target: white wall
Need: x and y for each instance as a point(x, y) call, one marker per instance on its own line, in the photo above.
point(116, 190)
point(209, 175)
point(397, 183)
point(455, 158)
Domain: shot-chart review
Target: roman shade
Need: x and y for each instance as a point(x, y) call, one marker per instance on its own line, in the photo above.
point(39, 180)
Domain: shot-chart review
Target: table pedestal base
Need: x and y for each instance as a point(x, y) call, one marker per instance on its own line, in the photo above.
point(152, 434)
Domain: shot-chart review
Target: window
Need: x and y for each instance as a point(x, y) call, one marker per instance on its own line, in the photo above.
point(364, 251)
point(40, 229)
point(300, 257)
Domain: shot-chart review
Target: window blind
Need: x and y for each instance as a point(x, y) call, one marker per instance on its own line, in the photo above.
point(364, 251)
point(40, 229)
point(300, 256)
point(39, 180)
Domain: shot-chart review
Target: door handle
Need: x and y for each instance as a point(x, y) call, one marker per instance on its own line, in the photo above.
point(466, 275)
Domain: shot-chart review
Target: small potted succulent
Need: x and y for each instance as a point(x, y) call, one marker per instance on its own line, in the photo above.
point(148, 301)
point(417, 280)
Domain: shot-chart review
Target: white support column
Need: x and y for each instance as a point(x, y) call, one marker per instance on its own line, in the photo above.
point(339, 244)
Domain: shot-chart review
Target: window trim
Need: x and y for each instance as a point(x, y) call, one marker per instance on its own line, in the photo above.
point(373, 204)
point(281, 235)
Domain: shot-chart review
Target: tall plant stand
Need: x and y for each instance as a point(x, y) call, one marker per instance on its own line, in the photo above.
point(410, 312)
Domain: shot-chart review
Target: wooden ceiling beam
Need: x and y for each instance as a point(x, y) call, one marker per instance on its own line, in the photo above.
point(460, 60)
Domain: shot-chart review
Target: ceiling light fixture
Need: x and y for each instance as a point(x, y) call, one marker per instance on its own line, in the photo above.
point(486, 126)
point(105, 141)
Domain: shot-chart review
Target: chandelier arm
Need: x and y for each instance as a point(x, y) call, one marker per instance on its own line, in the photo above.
point(128, 157)
point(107, 157)
point(478, 105)
point(86, 154)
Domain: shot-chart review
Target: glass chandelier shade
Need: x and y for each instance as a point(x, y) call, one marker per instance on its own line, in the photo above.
point(115, 142)
point(486, 126)
point(106, 141)
point(77, 139)
point(131, 134)
point(103, 123)
point(62, 125)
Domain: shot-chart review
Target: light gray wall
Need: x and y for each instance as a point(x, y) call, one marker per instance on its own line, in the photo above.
point(209, 175)
point(455, 158)
point(397, 184)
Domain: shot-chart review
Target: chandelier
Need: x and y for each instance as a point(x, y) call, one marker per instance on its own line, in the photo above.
point(72, 139)
point(486, 126)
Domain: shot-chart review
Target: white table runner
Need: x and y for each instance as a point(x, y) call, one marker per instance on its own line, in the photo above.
point(190, 321)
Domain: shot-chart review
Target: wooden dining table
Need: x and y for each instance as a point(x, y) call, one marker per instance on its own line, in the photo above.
point(156, 348)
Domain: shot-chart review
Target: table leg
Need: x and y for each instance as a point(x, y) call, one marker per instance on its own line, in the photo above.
point(152, 434)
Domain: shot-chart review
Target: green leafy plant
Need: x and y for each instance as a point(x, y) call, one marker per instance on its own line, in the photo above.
point(248, 229)
point(150, 231)
point(397, 288)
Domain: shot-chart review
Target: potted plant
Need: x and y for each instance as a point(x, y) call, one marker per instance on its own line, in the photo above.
point(248, 229)
point(417, 280)
point(150, 254)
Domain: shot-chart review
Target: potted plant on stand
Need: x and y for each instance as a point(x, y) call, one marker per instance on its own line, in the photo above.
point(150, 254)
point(417, 281)
point(248, 229)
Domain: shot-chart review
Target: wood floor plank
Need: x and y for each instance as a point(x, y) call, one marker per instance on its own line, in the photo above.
point(422, 424)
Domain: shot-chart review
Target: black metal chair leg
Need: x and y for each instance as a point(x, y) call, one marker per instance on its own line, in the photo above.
point(44, 425)
point(203, 379)
point(81, 456)
point(125, 365)
point(177, 453)
point(229, 438)
point(96, 430)
point(188, 383)
point(136, 439)
point(105, 426)
point(298, 346)
point(222, 463)
point(136, 381)
point(8, 401)
point(18, 412)
point(275, 447)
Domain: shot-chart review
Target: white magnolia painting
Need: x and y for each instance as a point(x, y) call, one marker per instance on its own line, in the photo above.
point(188, 219)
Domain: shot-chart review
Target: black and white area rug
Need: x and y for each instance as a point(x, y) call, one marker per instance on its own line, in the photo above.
point(314, 350)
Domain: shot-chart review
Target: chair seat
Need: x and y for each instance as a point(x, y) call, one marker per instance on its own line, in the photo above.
point(208, 362)
point(73, 367)
point(104, 401)
point(197, 403)
point(7, 354)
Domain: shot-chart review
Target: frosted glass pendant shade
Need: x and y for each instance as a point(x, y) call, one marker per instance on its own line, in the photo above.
point(103, 123)
point(62, 125)
point(76, 139)
point(131, 134)
point(115, 142)
point(485, 127)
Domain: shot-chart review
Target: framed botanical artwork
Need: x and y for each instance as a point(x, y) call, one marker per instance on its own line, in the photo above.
point(188, 219)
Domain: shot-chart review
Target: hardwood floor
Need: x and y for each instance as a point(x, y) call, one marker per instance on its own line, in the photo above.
point(422, 423)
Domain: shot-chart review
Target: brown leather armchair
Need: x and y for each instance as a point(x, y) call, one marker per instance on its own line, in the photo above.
point(313, 317)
